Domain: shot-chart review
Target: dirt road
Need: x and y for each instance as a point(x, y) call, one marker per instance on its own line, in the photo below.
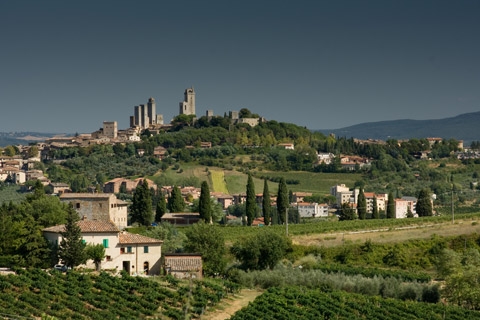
point(231, 305)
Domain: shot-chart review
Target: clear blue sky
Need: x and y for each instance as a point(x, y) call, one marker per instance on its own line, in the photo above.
point(67, 66)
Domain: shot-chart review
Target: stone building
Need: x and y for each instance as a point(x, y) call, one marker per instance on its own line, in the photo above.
point(110, 129)
point(183, 265)
point(133, 253)
point(187, 106)
point(98, 206)
point(145, 115)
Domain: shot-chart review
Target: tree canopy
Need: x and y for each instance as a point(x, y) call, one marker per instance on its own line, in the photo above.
point(262, 250)
point(209, 242)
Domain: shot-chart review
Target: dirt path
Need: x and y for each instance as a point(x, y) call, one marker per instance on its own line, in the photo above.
point(231, 305)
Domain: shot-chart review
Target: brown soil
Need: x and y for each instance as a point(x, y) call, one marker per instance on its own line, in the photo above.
point(391, 235)
point(229, 306)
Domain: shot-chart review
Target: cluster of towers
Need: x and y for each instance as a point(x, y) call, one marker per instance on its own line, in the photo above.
point(145, 114)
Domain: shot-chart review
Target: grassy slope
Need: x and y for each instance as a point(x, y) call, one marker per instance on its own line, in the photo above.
point(218, 181)
point(318, 183)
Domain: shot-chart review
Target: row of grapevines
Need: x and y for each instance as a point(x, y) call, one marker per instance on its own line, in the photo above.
point(303, 303)
point(74, 295)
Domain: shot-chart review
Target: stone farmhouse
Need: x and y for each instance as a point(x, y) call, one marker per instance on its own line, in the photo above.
point(130, 252)
point(183, 265)
point(98, 206)
point(116, 185)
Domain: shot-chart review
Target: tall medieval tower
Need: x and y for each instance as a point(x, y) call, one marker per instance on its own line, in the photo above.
point(188, 105)
point(151, 110)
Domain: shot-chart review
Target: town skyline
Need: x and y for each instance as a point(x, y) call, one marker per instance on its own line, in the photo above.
point(70, 66)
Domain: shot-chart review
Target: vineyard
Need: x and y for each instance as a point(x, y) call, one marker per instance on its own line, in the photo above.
point(74, 295)
point(302, 303)
point(232, 233)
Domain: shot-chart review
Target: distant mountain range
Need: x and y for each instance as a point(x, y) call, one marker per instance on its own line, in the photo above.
point(464, 127)
point(23, 138)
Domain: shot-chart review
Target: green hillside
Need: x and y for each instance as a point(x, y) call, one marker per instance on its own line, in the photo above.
point(234, 182)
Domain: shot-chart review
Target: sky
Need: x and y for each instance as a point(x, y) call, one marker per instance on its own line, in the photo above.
point(67, 66)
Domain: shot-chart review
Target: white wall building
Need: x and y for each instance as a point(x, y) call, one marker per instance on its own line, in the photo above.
point(312, 210)
point(133, 253)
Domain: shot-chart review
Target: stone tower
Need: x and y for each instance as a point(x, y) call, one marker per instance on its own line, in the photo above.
point(188, 105)
point(152, 113)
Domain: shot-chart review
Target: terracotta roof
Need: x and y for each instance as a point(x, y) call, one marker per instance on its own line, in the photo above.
point(87, 226)
point(85, 195)
point(132, 238)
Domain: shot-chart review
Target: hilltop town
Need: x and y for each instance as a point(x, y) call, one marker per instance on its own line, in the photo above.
point(184, 199)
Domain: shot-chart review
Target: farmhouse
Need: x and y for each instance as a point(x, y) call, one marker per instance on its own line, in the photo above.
point(98, 206)
point(133, 253)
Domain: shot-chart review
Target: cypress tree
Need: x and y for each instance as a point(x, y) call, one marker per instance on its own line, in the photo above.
point(72, 250)
point(362, 205)
point(375, 213)
point(141, 208)
point(161, 208)
point(266, 203)
point(424, 205)
point(347, 212)
point(250, 205)
point(282, 200)
point(204, 204)
point(391, 207)
point(175, 201)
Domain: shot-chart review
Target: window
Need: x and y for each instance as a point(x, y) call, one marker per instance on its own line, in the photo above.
point(105, 243)
point(78, 205)
point(145, 249)
point(109, 258)
point(122, 250)
point(129, 249)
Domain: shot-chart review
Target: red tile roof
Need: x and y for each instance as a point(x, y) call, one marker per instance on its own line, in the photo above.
point(88, 226)
point(131, 238)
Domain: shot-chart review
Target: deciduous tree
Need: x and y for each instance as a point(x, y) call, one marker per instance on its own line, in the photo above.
point(210, 243)
point(261, 251)
point(95, 252)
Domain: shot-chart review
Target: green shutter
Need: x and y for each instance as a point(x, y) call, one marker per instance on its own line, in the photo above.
point(145, 249)
point(84, 241)
point(105, 243)
point(129, 249)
